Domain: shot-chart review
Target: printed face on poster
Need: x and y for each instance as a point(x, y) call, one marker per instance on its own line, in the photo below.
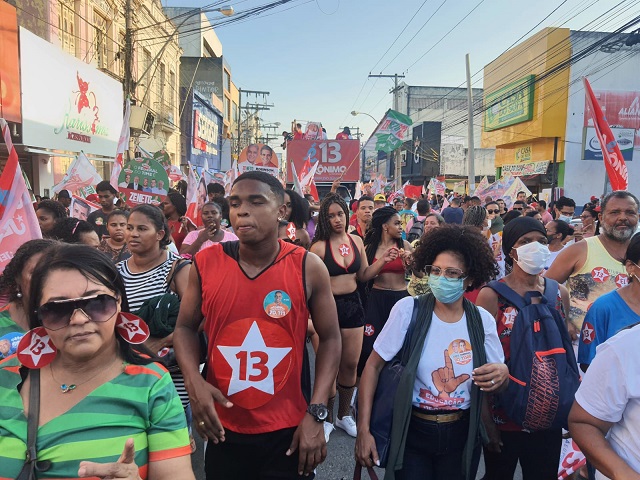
point(258, 157)
point(80, 208)
point(143, 180)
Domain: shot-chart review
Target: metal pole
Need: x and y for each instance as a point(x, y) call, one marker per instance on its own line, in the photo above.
point(396, 153)
point(128, 50)
point(239, 119)
point(470, 149)
point(554, 173)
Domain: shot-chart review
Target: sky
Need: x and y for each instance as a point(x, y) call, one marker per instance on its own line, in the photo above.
point(314, 56)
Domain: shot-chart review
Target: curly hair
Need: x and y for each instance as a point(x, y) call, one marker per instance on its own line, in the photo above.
point(323, 227)
point(69, 229)
point(374, 234)
point(465, 242)
point(56, 208)
point(299, 209)
point(9, 278)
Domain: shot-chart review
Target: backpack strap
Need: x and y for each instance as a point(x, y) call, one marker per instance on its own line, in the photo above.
point(508, 293)
point(551, 288)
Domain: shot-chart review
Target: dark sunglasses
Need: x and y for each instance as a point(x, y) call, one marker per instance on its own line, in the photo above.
point(518, 208)
point(57, 314)
point(493, 211)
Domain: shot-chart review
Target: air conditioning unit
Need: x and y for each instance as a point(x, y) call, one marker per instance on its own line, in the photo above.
point(141, 120)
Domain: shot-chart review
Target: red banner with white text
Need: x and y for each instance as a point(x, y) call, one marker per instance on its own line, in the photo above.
point(338, 159)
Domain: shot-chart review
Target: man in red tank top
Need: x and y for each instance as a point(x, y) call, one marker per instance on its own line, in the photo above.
point(256, 295)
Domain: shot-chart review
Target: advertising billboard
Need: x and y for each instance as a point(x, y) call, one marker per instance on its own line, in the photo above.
point(338, 158)
point(67, 104)
point(509, 105)
point(9, 64)
point(206, 140)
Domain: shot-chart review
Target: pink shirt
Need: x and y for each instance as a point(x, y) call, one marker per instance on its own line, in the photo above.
point(546, 217)
point(192, 236)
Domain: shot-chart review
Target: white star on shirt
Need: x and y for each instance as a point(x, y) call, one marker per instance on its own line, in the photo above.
point(252, 354)
point(510, 315)
point(291, 231)
point(344, 250)
point(38, 347)
point(600, 274)
point(587, 333)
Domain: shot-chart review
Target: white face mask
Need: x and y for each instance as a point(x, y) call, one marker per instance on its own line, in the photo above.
point(565, 218)
point(533, 257)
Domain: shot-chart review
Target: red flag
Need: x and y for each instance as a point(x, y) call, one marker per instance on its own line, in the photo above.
point(613, 160)
point(18, 220)
point(412, 191)
point(123, 146)
point(307, 181)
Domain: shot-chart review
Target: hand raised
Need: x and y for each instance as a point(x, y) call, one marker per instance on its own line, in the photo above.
point(444, 378)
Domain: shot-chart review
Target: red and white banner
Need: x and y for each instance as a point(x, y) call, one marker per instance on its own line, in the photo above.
point(307, 179)
point(18, 220)
point(337, 159)
point(613, 160)
point(81, 174)
point(196, 197)
point(123, 145)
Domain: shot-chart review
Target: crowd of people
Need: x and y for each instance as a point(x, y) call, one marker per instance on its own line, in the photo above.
point(122, 333)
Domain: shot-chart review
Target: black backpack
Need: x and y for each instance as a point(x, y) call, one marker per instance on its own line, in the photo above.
point(415, 232)
point(543, 372)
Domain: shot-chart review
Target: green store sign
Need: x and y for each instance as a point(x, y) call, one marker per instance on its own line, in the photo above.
point(509, 105)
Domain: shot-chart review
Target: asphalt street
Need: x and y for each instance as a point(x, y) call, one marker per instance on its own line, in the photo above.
point(340, 461)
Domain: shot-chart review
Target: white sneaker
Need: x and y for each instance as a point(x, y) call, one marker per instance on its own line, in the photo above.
point(328, 428)
point(348, 424)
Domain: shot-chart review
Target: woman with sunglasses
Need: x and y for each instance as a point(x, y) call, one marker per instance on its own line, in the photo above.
point(14, 287)
point(589, 219)
point(99, 408)
point(456, 358)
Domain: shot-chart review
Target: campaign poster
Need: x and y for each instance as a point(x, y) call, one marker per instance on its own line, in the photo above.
point(143, 180)
point(80, 208)
point(258, 157)
point(624, 138)
point(339, 159)
point(313, 131)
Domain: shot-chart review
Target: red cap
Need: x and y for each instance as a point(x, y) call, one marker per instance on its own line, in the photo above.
point(593, 198)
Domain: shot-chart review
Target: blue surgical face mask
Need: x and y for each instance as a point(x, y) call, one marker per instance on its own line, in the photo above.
point(446, 290)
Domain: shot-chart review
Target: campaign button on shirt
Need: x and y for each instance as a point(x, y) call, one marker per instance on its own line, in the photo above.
point(253, 359)
point(277, 304)
point(9, 343)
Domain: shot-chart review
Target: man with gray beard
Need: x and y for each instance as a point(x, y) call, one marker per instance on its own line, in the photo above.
point(595, 266)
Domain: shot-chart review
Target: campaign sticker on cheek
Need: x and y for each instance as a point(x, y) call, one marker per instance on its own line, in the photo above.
point(277, 303)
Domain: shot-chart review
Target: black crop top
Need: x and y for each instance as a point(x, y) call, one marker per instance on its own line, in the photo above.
point(332, 265)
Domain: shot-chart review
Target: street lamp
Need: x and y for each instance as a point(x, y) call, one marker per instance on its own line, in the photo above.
point(227, 10)
point(354, 113)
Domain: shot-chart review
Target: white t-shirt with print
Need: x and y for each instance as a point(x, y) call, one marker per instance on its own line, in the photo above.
point(610, 391)
point(443, 380)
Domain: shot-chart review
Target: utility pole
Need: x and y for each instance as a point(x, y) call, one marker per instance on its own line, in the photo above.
point(128, 50)
point(396, 102)
point(256, 106)
point(470, 159)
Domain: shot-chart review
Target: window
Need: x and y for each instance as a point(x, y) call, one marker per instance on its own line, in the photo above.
point(146, 62)
point(172, 90)
point(235, 112)
point(226, 108)
point(100, 29)
point(121, 53)
point(161, 84)
point(227, 81)
point(67, 27)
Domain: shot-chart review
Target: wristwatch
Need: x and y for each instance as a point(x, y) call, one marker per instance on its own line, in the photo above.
point(318, 411)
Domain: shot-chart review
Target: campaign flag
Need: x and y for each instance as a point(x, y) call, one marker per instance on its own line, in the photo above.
point(390, 132)
point(193, 187)
point(81, 174)
point(296, 180)
point(307, 181)
point(461, 187)
point(123, 145)
point(613, 160)
point(230, 177)
point(412, 191)
point(483, 185)
point(18, 220)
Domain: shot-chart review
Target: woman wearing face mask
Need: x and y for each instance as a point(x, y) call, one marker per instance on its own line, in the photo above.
point(557, 233)
point(437, 408)
point(524, 242)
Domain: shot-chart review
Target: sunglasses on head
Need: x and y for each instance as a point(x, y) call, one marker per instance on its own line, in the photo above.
point(57, 314)
point(493, 211)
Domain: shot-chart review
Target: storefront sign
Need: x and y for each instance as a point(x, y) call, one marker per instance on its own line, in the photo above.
point(523, 169)
point(624, 137)
point(523, 154)
point(67, 104)
point(9, 64)
point(509, 105)
point(338, 158)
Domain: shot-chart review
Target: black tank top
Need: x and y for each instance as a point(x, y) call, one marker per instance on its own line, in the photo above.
point(332, 265)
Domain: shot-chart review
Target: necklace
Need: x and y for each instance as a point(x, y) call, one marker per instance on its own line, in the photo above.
point(66, 388)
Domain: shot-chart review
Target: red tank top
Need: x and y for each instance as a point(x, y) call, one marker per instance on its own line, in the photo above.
point(256, 330)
